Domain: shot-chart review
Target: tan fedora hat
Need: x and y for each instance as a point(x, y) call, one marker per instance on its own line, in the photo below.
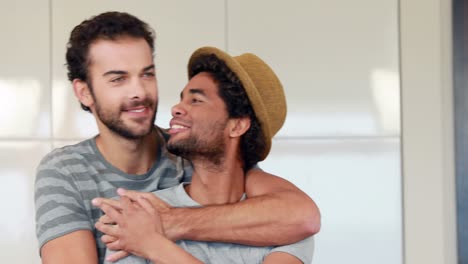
point(263, 88)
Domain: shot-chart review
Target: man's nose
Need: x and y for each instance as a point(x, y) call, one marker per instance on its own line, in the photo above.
point(178, 110)
point(137, 89)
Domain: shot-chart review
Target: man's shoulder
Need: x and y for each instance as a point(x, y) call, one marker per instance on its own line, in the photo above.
point(77, 150)
point(68, 155)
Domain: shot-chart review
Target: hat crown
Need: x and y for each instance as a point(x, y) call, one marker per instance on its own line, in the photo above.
point(269, 89)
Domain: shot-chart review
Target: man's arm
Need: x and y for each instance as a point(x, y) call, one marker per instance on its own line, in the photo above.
point(135, 230)
point(62, 225)
point(64, 249)
point(275, 213)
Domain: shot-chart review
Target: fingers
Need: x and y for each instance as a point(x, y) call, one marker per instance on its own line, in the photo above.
point(146, 205)
point(111, 213)
point(134, 195)
point(111, 242)
point(157, 203)
point(111, 202)
point(106, 239)
point(116, 245)
point(127, 205)
point(116, 256)
point(111, 230)
point(105, 219)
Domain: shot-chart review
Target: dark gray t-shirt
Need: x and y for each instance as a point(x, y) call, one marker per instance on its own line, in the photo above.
point(69, 178)
point(214, 252)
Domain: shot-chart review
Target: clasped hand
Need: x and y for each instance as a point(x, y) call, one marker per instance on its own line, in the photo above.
point(129, 224)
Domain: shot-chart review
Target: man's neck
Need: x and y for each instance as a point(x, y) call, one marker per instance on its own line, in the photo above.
point(216, 183)
point(132, 156)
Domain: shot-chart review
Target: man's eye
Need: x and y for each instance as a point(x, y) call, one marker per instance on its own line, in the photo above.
point(195, 100)
point(148, 74)
point(118, 79)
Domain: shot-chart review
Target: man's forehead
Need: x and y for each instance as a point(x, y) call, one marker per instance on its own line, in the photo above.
point(119, 42)
point(202, 80)
point(202, 84)
point(120, 54)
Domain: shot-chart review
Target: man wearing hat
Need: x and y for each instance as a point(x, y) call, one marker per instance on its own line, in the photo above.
point(228, 113)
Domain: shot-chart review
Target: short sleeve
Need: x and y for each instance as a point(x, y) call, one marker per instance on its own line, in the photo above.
point(59, 204)
point(303, 250)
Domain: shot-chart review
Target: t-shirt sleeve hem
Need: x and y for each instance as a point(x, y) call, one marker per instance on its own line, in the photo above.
point(44, 241)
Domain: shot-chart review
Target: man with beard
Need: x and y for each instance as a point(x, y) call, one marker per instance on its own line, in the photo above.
point(110, 64)
point(228, 113)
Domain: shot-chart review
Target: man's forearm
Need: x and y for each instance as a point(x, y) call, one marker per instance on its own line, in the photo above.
point(267, 220)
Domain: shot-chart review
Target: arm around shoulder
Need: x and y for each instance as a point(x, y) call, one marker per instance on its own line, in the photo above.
point(275, 213)
point(291, 206)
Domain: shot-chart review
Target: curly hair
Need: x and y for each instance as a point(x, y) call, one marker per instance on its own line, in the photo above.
point(237, 102)
point(108, 26)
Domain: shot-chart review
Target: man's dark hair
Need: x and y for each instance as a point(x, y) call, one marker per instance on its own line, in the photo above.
point(107, 26)
point(233, 94)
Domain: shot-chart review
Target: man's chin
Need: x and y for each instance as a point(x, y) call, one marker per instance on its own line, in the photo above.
point(134, 134)
point(177, 149)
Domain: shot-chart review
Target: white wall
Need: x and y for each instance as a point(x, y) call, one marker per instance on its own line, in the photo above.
point(427, 122)
point(339, 62)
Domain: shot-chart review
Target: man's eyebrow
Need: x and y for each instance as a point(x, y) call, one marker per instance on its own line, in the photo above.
point(197, 91)
point(118, 72)
point(151, 67)
point(114, 72)
point(194, 91)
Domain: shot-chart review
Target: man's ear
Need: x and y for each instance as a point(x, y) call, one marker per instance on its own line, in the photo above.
point(239, 126)
point(83, 92)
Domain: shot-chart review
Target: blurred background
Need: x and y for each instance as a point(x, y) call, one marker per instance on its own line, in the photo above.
point(368, 133)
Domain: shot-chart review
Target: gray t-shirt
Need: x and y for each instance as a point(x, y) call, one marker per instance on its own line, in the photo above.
point(70, 177)
point(214, 252)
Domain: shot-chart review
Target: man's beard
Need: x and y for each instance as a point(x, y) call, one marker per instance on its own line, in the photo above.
point(193, 148)
point(112, 121)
